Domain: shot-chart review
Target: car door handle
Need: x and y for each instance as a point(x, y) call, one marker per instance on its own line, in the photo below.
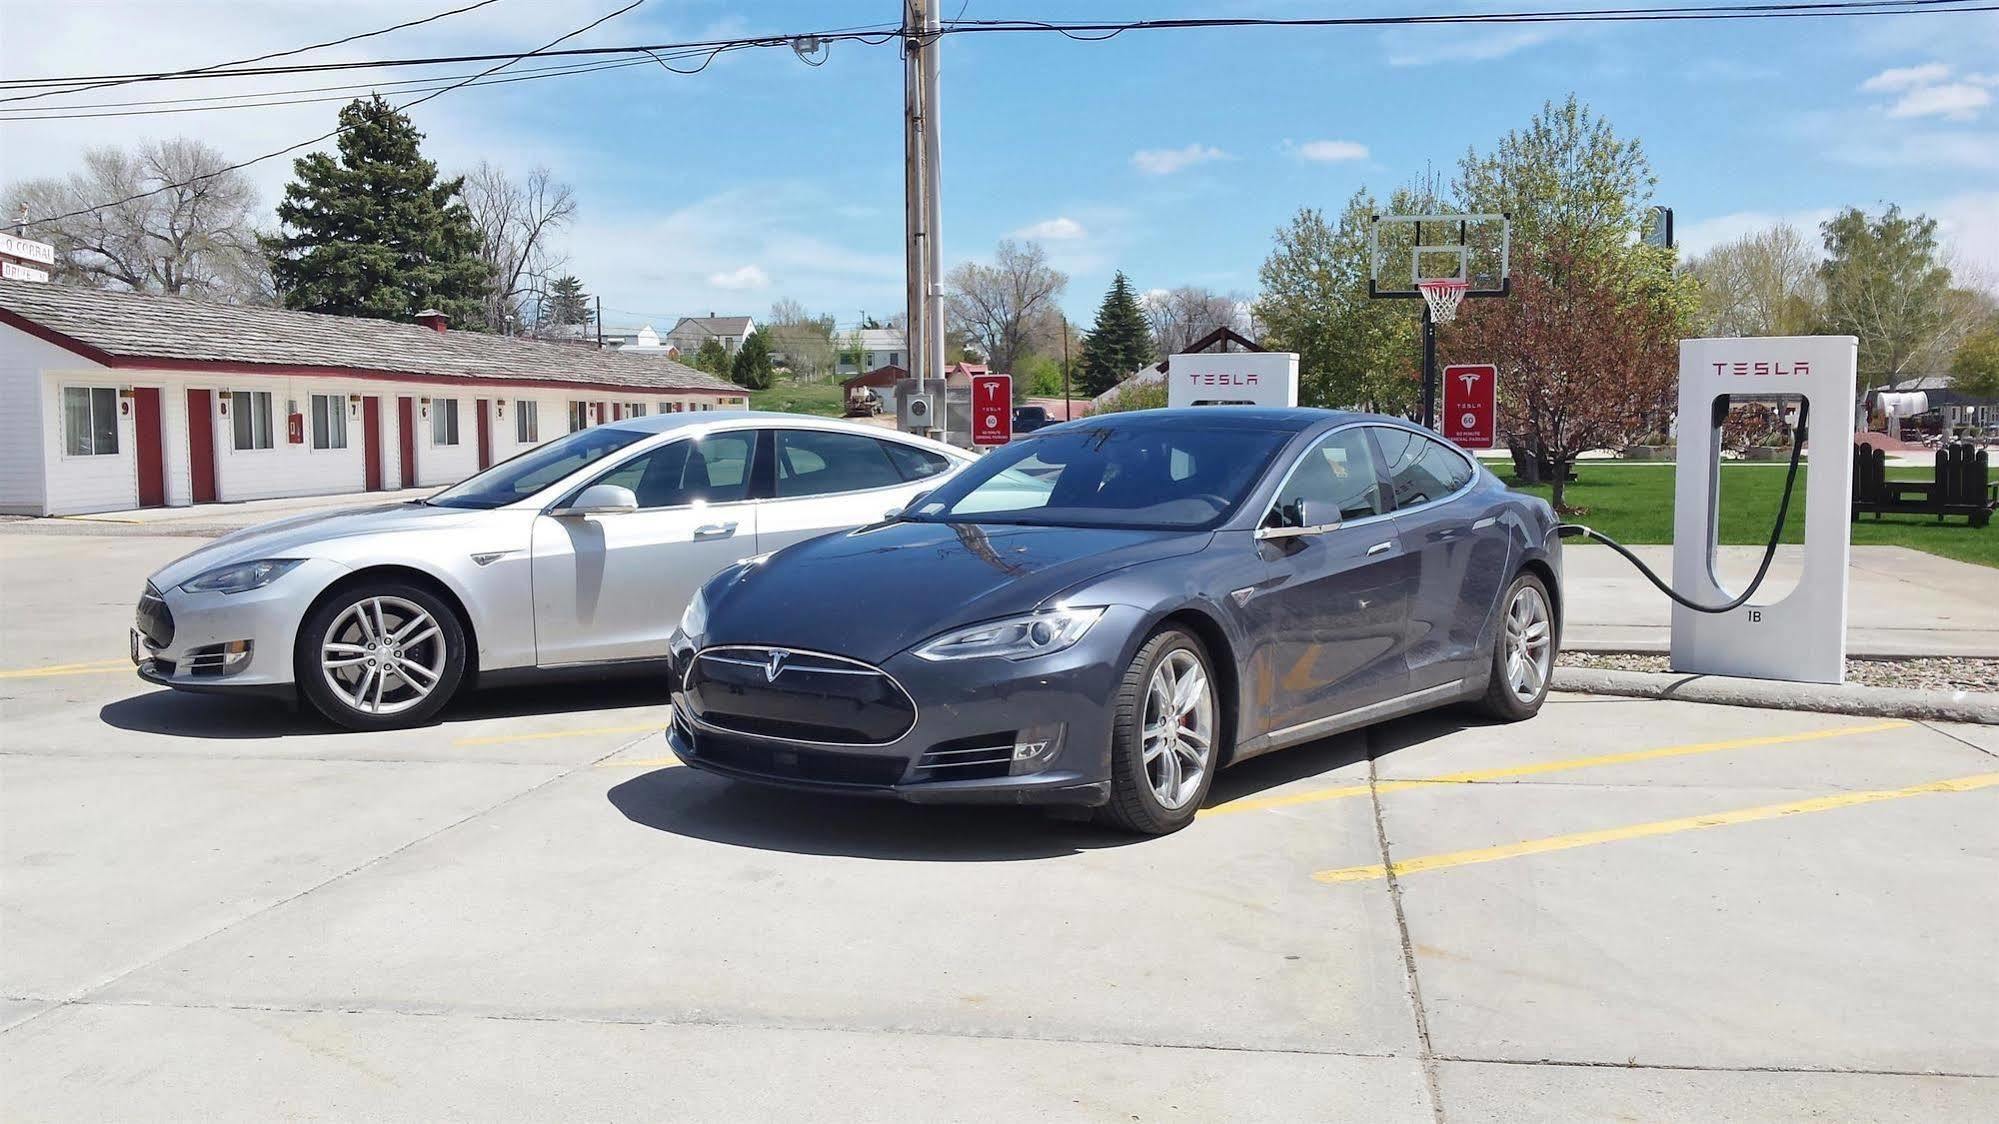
point(715, 531)
point(1377, 548)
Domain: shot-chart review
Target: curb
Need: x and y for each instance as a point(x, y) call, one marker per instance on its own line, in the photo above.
point(1884, 702)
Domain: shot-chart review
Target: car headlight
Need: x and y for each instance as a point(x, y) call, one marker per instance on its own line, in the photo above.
point(241, 577)
point(1014, 638)
point(694, 618)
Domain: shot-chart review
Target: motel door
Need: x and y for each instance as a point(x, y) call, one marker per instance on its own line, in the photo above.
point(201, 445)
point(371, 441)
point(406, 439)
point(485, 435)
point(150, 447)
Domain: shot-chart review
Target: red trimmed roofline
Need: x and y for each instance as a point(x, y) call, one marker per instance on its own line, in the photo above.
point(282, 370)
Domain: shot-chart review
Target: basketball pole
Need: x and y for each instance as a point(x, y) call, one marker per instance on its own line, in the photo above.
point(1429, 368)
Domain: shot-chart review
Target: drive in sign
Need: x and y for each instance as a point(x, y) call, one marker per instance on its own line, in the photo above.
point(992, 409)
point(1471, 404)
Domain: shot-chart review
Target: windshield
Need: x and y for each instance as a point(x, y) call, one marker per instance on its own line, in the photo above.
point(1170, 477)
point(524, 475)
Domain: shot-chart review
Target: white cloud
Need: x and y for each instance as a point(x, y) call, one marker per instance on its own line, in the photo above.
point(1906, 77)
point(1166, 161)
point(1958, 101)
point(742, 277)
point(1059, 229)
point(1327, 151)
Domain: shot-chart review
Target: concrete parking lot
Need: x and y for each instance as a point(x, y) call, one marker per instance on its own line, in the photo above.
point(1623, 909)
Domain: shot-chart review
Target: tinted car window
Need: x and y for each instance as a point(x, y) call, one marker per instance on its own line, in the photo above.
point(814, 463)
point(711, 469)
point(1337, 475)
point(1420, 469)
point(1171, 476)
point(524, 475)
point(915, 463)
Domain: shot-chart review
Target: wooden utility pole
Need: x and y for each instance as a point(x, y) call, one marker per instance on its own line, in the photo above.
point(922, 202)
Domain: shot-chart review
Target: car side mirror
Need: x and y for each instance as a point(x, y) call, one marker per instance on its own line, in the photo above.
point(599, 499)
point(895, 513)
point(1298, 519)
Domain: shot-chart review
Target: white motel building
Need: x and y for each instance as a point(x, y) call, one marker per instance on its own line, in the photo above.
point(111, 401)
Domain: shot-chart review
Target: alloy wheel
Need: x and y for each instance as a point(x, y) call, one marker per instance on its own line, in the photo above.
point(1179, 731)
point(382, 655)
point(1530, 648)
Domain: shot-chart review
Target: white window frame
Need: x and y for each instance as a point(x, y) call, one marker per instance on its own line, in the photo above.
point(62, 415)
point(336, 407)
point(579, 416)
point(527, 422)
point(438, 414)
point(269, 415)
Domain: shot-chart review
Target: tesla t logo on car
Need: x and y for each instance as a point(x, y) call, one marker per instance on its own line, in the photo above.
point(774, 664)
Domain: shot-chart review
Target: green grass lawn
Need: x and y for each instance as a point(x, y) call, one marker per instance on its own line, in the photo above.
point(826, 399)
point(1633, 503)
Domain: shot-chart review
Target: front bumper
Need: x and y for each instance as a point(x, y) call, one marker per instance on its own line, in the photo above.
point(268, 618)
point(962, 708)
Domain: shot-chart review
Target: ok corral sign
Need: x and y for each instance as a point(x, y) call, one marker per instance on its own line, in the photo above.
point(1471, 404)
point(992, 409)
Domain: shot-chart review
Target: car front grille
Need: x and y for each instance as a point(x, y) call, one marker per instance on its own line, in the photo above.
point(967, 759)
point(797, 696)
point(155, 621)
point(750, 756)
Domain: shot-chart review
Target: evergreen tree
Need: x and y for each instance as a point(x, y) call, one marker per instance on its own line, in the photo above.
point(374, 232)
point(1119, 343)
point(753, 369)
point(713, 358)
point(567, 302)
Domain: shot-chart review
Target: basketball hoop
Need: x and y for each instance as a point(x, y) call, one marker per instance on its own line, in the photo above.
point(1443, 295)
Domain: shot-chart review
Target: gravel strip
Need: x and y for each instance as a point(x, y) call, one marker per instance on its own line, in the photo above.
point(1920, 673)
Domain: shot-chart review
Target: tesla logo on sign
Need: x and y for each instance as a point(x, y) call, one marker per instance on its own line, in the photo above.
point(1471, 396)
point(992, 409)
point(774, 664)
point(1763, 368)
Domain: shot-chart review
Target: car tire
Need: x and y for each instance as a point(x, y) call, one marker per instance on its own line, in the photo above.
point(392, 691)
point(1137, 803)
point(1527, 630)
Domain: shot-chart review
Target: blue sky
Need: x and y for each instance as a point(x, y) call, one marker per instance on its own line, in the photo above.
point(1171, 155)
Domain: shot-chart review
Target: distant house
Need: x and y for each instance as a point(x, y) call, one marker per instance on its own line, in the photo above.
point(121, 400)
point(1951, 406)
point(640, 339)
point(692, 331)
point(882, 347)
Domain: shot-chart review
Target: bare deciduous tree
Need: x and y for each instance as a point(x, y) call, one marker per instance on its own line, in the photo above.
point(195, 238)
point(517, 221)
point(803, 341)
point(1765, 283)
point(996, 306)
point(1180, 316)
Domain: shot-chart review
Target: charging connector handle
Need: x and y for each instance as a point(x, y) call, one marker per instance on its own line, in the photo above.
point(1577, 530)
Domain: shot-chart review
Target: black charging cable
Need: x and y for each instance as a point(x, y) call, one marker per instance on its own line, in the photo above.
point(1577, 530)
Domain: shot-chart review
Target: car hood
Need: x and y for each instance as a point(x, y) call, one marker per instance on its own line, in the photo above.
point(873, 592)
point(301, 535)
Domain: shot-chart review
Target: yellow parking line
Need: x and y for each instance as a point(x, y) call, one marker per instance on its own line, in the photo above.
point(1538, 767)
point(550, 735)
point(1643, 830)
point(94, 667)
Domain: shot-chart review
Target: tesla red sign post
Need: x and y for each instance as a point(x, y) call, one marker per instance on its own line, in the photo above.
point(1471, 397)
point(992, 409)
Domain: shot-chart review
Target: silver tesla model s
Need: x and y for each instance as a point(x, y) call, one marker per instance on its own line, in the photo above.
point(578, 553)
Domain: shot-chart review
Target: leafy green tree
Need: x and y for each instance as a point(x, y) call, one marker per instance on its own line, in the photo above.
point(1571, 185)
point(1975, 369)
point(567, 302)
point(1120, 341)
point(713, 358)
point(374, 232)
point(752, 369)
point(1885, 284)
point(1352, 351)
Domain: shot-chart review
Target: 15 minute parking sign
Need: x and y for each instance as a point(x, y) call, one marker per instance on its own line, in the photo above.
point(992, 409)
point(1471, 404)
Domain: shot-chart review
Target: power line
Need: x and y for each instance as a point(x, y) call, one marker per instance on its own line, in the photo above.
point(341, 129)
point(259, 58)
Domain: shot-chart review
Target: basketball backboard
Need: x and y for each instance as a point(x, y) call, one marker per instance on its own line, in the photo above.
point(1405, 249)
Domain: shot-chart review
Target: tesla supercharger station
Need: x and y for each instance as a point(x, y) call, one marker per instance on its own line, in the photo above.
point(1803, 636)
point(1232, 378)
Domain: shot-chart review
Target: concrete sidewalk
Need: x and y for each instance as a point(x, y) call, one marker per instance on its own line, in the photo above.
point(206, 520)
point(1901, 602)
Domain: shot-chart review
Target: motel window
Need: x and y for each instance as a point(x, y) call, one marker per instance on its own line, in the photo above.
point(329, 421)
point(527, 426)
point(250, 415)
point(579, 416)
point(444, 421)
point(89, 421)
point(635, 409)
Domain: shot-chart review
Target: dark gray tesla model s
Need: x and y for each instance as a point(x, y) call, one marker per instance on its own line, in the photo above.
point(1107, 611)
